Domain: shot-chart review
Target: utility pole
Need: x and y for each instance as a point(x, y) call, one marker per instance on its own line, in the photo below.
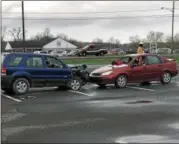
point(173, 16)
point(23, 26)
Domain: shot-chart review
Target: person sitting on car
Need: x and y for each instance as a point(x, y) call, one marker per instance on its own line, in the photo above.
point(140, 49)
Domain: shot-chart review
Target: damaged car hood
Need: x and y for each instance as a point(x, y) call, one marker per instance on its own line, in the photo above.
point(109, 68)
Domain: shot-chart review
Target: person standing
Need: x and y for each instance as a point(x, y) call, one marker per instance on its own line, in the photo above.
point(140, 49)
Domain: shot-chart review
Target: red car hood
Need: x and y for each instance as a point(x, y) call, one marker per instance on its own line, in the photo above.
point(108, 68)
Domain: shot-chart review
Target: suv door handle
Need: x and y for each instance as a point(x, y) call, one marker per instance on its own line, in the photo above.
point(144, 67)
point(159, 65)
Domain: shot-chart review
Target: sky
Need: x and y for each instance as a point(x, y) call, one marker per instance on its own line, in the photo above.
point(86, 20)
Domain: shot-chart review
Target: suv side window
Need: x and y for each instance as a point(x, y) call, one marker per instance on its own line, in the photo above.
point(153, 60)
point(14, 61)
point(54, 61)
point(34, 62)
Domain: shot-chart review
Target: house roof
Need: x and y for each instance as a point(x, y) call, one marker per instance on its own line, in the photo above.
point(59, 43)
point(30, 43)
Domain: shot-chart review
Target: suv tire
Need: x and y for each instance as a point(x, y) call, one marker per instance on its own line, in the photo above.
point(75, 84)
point(20, 86)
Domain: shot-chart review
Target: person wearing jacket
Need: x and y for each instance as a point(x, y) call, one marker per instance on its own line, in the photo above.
point(140, 49)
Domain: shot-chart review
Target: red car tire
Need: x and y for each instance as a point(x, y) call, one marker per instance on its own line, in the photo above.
point(121, 81)
point(166, 77)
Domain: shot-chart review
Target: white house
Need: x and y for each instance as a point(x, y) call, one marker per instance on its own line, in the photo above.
point(8, 47)
point(59, 45)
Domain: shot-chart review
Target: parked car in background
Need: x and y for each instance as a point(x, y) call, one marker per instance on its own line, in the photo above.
point(163, 51)
point(71, 53)
point(113, 52)
point(176, 51)
point(91, 50)
point(56, 53)
point(21, 71)
point(135, 68)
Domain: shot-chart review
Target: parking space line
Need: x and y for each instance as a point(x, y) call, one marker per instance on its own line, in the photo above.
point(139, 88)
point(9, 97)
point(80, 93)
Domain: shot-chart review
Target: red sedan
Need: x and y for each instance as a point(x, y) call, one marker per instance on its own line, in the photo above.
point(135, 68)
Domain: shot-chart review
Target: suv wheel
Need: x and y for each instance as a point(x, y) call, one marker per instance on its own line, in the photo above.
point(75, 84)
point(21, 86)
point(166, 78)
point(121, 81)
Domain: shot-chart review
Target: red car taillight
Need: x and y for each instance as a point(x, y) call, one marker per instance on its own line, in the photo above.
point(3, 71)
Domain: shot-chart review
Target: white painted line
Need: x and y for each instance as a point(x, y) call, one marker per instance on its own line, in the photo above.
point(80, 93)
point(140, 88)
point(9, 97)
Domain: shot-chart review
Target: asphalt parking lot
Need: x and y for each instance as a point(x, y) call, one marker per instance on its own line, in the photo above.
point(132, 114)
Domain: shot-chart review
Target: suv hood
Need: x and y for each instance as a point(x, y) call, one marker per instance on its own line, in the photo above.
point(108, 68)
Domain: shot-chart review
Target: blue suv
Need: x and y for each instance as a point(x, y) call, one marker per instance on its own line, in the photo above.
point(20, 71)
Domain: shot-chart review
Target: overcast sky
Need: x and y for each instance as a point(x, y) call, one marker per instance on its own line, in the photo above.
point(138, 22)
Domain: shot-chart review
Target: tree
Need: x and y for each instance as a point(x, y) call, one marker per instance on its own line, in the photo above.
point(63, 36)
point(97, 40)
point(176, 37)
point(155, 36)
point(111, 42)
point(47, 32)
point(134, 39)
point(16, 33)
point(117, 42)
point(159, 36)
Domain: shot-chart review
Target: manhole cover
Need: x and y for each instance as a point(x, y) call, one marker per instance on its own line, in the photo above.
point(139, 101)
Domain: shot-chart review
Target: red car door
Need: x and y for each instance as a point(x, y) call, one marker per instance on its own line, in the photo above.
point(138, 73)
point(154, 67)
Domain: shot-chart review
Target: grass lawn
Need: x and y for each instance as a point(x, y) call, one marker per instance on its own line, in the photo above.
point(100, 61)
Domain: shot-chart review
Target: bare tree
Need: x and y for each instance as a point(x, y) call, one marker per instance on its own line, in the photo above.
point(155, 36)
point(38, 36)
point(47, 32)
point(111, 42)
point(176, 38)
point(117, 42)
point(97, 40)
point(62, 36)
point(134, 39)
point(16, 33)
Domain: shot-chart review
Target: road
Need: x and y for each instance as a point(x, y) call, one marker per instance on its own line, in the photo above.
point(132, 114)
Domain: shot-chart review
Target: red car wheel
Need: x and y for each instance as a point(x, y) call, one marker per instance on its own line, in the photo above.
point(121, 81)
point(166, 77)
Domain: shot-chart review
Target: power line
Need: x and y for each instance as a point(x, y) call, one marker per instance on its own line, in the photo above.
point(83, 12)
point(142, 10)
point(90, 18)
